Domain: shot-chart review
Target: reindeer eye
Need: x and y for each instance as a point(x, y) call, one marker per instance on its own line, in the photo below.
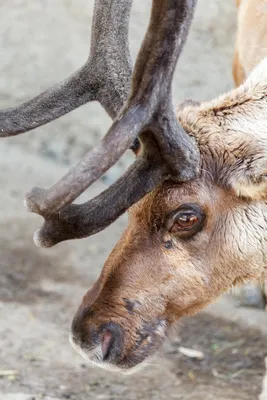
point(187, 220)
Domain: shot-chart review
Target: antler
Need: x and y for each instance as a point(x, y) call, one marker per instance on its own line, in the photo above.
point(148, 112)
point(99, 79)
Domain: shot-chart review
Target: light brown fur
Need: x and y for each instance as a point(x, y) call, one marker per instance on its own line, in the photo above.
point(251, 39)
point(145, 286)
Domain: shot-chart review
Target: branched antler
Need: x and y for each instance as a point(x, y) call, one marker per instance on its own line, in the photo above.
point(106, 76)
point(167, 151)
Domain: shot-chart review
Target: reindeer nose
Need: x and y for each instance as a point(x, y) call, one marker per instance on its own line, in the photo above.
point(112, 335)
point(88, 336)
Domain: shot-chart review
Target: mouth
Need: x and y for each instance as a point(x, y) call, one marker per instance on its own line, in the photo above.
point(107, 352)
point(96, 357)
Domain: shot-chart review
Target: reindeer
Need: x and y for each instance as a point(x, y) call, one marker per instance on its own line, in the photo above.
point(186, 243)
point(195, 195)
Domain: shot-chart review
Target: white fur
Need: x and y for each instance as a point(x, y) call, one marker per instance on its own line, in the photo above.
point(249, 190)
point(258, 75)
point(95, 356)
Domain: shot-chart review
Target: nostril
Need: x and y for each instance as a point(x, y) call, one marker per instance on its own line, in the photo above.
point(111, 342)
point(106, 344)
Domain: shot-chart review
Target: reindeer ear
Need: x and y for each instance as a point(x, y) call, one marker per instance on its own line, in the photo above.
point(233, 136)
point(245, 129)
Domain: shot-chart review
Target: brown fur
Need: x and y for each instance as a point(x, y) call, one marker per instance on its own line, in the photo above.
point(155, 275)
point(238, 70)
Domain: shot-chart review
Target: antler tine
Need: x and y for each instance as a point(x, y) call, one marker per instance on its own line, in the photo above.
point(146, 107)
point(78, 221)
point(167, 32)
point(96, 80)
point(93, 165)
point(148, 112)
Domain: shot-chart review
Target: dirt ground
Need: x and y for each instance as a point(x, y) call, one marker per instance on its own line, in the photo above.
point(41, 289)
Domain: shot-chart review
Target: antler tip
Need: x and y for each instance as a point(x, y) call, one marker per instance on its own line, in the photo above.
point(40, 241)
point(34, 199)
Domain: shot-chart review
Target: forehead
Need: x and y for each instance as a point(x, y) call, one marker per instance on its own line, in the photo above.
point(170, 195)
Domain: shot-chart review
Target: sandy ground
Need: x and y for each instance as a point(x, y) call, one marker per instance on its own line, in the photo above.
point(42, 42)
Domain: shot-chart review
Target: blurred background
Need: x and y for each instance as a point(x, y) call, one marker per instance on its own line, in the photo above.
point(41, 43)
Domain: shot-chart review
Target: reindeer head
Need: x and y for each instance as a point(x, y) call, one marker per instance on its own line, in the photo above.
point(185, 243)
point(196, 205)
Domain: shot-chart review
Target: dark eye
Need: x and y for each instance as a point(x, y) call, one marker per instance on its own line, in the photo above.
point(186, 221)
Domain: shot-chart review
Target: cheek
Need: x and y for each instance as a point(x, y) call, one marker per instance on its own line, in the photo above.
point(240, 239)
point(185, 280)
point(177, 263)
point(176, 254)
